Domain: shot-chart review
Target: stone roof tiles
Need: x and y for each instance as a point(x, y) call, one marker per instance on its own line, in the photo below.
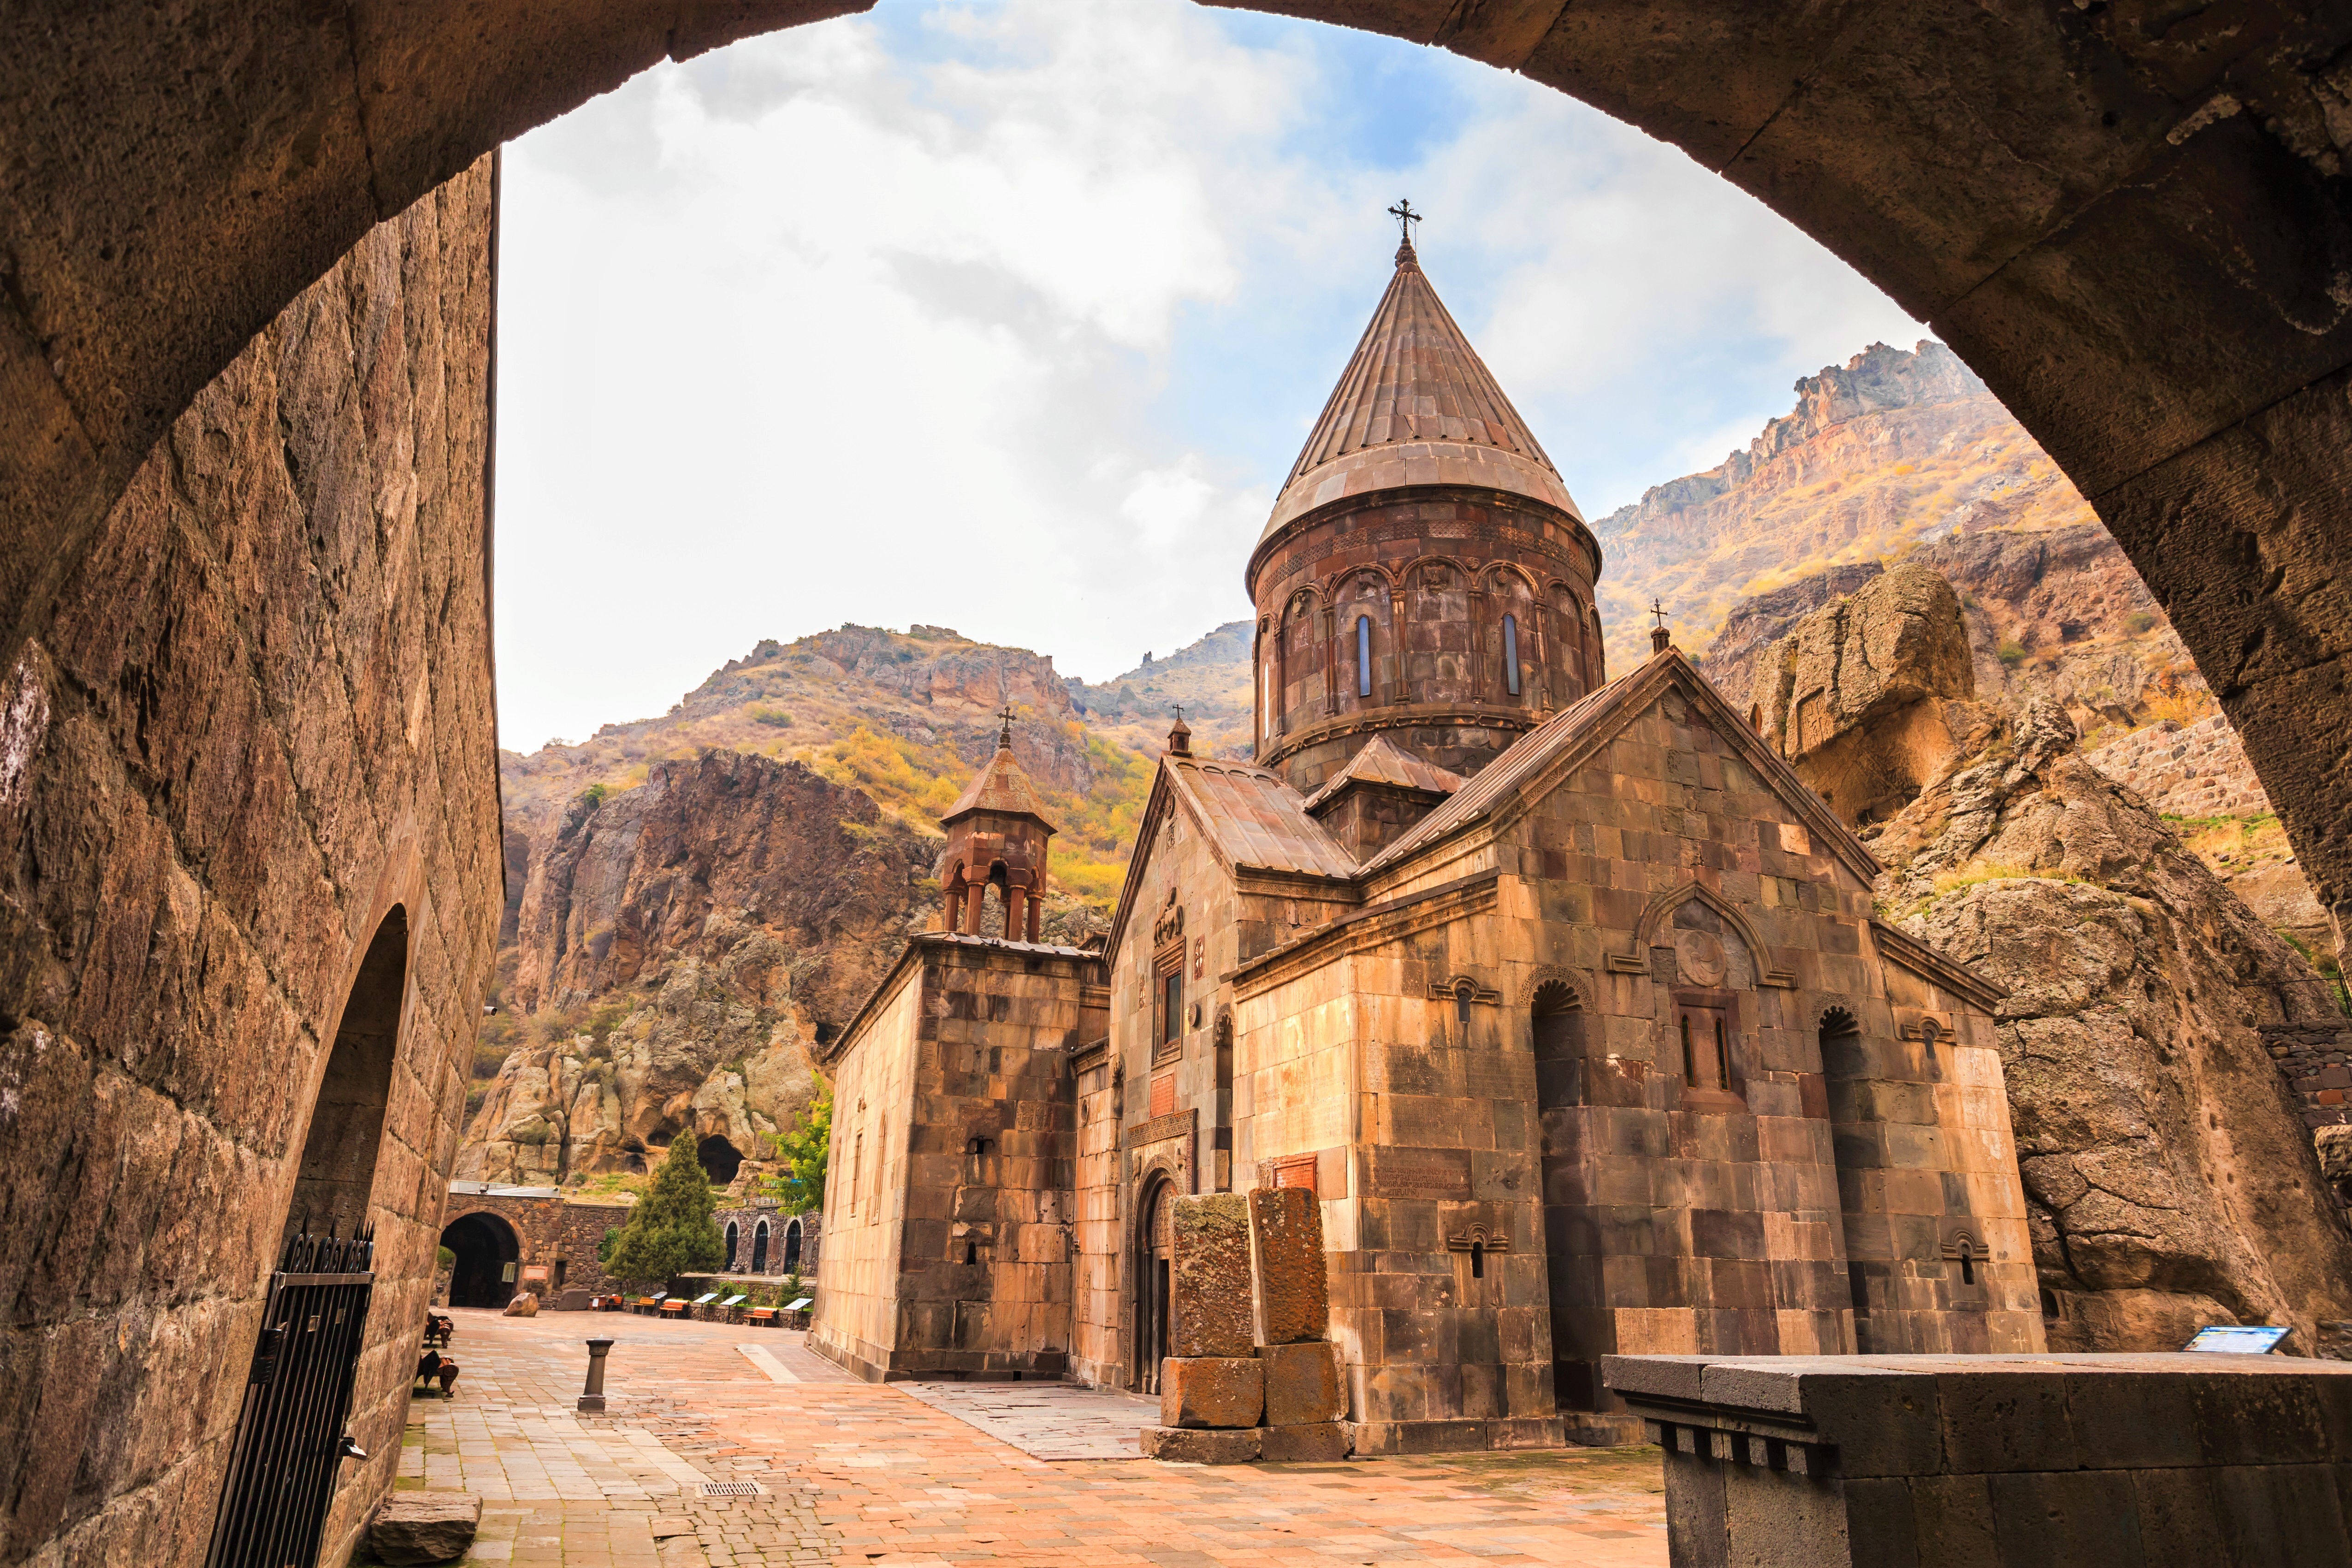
point(1416, 405)
point(1257, 820)
point(1382, 762)
point(1001, 786)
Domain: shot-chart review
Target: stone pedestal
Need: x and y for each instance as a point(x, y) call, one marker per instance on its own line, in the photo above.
point(1211, 1391)
point(1997, 1461)
point(1324, 1442)
point(1200, 1445)
point(1302, 1384)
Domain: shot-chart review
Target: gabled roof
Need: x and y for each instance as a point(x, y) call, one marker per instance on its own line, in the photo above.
point(1416, 405)
point(1382, 762)
point(1519, 776)
point(1257, 820)
point(1001, 786)
point(1254, 819)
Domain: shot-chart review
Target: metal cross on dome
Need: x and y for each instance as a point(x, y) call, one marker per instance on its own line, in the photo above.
point(1005, 735)
point(1406, 217)
point(1659, 611)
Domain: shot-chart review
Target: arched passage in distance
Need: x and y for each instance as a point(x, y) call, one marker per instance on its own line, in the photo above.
point(488, 1253)
point(1152, 1263)
point(337, 1175)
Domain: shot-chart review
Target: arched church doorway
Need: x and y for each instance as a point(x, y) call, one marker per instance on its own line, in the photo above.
point(719, 1158)
point(337, 1175)
point(489, 1258)
point(734, 1238)
point(792, 1246)
point(1151, 1282)
point(759, 1247)
point(1557, 1023)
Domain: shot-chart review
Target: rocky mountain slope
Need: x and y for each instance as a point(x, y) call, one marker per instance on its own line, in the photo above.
point(1894, 449)
point(692, 897)
point(1210, 678)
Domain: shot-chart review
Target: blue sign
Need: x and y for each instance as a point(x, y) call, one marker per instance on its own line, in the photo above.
point(2256, 1340)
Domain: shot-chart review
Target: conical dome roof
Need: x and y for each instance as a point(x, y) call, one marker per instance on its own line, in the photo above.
point(1002, 788)
point(1416, 405)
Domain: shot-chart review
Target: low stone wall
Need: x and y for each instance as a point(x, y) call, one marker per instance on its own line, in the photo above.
point(2048, 1461)
point(2197, 770)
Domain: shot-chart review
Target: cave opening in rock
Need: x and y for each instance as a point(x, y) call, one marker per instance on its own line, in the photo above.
point(489, 1258)
point(719, 1158)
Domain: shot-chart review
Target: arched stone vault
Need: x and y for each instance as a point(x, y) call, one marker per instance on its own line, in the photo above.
point(2128, 220)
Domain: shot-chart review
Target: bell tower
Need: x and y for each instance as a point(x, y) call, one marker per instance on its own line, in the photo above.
point(997, 835)
point(1425, 575)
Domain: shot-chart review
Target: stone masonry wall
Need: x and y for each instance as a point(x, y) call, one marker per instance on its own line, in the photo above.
point(249, 719)
point(2198, 769)
point(2316, 1060)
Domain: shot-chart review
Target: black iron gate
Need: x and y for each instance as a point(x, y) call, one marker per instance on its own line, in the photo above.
point(291, 1441)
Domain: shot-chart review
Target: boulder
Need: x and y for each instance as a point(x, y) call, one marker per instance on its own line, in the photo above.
point(2169, 1180)
point(415, 1527)
point(1855, 696)
point(523, 1305)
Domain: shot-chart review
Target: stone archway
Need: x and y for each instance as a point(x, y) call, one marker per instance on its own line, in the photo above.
point(488, 1251)
point(2134, 233)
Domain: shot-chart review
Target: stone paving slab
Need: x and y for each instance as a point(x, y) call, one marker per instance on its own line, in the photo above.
point(860, 1474)
point(1047, 1420)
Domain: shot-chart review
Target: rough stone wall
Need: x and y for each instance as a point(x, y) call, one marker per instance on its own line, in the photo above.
point(550, 1230)
point(2316, 1060)
point(2197, 770)
point(256, 715)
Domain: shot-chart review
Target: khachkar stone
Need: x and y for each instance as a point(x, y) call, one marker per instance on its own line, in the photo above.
point(1294, 1293)
point(1209, 1276)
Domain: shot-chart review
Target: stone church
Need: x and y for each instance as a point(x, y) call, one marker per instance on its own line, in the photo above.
point(1562, 995)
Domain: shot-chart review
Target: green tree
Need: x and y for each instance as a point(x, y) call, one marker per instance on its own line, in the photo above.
point(670, 1231)
point(802, 1152)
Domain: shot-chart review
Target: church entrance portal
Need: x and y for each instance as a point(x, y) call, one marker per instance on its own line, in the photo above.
point(1151, 1298)
point(759, 1247)
point(488, 1258)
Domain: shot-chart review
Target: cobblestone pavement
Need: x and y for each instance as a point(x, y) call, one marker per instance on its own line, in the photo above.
point(854, 1474)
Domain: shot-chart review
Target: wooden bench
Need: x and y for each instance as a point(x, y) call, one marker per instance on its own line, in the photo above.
point(646, 1306)
point(761, 1317)
point(673, 1308)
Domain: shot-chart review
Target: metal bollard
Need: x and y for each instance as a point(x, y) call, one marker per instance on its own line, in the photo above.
point(592, 1398)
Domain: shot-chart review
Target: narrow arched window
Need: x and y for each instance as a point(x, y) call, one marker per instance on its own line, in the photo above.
point(1722, 1058)
point(1511, 652)
point(1363, 655)
point(1465, 993)
point(1477, 1260)
point(1690, 1063)
point(1967, 1264)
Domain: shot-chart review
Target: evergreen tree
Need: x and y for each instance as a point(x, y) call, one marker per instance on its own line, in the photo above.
point(802, 1150)
point(670, 1231)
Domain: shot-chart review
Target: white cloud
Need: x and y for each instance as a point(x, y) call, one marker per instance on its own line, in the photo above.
point(1010, 317)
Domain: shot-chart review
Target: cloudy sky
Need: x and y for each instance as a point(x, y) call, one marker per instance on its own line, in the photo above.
point(1011, 317)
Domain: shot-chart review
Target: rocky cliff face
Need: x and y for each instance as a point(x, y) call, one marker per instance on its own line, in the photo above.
point(693, 897)
point(2169, 1179)
point(1857, 694)
point(675, 946)
point(1210, 678)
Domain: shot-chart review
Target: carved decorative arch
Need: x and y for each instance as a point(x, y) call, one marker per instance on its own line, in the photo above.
point(1662, 908)
point(1412, 570)
point(1493, 569)
point(1580, 992)
point(1331, 586)
point(1480, 1237)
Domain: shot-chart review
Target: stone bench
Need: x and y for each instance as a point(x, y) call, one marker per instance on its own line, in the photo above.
point(2022, 1461)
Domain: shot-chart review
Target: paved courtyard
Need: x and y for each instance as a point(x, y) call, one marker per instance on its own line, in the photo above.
point(908, 1476)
